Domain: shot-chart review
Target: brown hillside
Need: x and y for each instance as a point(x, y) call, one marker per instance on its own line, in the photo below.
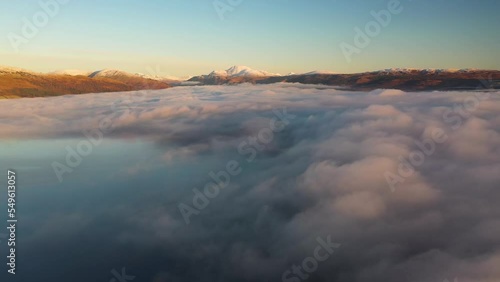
point(416, 80)
point(25, 84)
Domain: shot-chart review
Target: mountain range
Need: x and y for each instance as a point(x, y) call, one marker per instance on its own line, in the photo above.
point(396, 78)
point(16, 82)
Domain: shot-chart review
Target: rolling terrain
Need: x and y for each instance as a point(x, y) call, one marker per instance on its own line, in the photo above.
point(403, 79)
point(19, 83)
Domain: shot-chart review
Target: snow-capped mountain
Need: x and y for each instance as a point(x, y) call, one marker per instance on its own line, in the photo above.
point(5, 69)
point(319, 72)
point(241, 71)
point(421, 71)
point(113, 73)
point(119, 73)
point(18, 82)
point(105, 73)
point(165, 77)
point(72, 72)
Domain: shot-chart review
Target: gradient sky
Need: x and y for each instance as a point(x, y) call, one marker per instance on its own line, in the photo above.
point(187, 37)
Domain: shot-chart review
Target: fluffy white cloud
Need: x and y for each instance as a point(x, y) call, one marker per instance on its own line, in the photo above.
point(324, 174)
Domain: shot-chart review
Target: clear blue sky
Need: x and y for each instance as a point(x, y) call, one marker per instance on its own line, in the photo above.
point(187, 37)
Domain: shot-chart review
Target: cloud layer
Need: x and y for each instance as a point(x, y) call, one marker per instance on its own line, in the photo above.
point(325, 174)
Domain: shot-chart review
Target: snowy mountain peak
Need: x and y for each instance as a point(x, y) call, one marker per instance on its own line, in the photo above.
point(4, 69)
point(218, 73)
point(115, 73)
point(72, 72)
point(241, 71)
point(167, 78)
point(111, 73)
point(319, 72)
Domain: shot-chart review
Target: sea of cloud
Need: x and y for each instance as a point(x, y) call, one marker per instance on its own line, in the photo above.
point(407, 182)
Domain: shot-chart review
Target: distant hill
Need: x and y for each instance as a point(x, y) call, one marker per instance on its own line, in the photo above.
point(234, 75)
point(15, 83)
point(404, 79)
point(18, 83)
